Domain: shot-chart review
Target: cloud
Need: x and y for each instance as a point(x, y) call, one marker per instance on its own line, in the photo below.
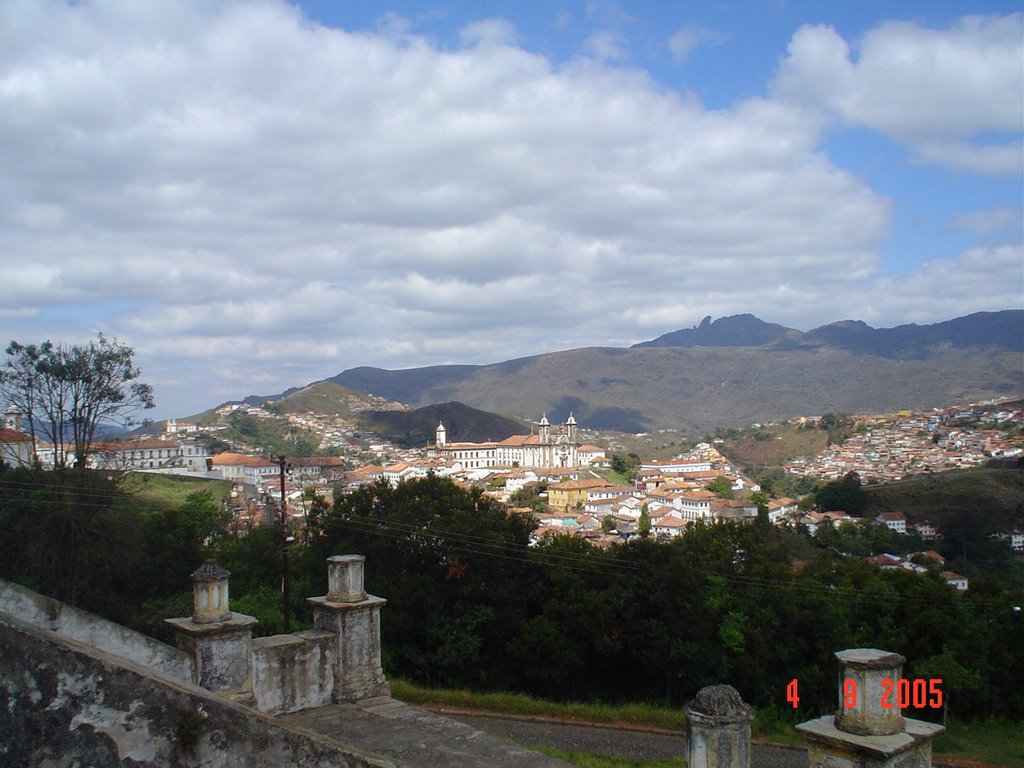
point(997, 220)
point(688, 37)
point(606, 45)
point(938, 92)
point(990, 278)
point(255, 201)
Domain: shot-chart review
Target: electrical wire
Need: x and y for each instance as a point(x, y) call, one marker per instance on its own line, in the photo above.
point(467, 543)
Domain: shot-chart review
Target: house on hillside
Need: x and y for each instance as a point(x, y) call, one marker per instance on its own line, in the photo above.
point(239, 466)
point(896, 521)
point(1017, 541)
point(779, 510)
point(925, 530)
point(734, 510)
point(956, 581)
point(571, 494)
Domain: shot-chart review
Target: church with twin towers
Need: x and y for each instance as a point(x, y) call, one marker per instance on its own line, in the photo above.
point(552, 447)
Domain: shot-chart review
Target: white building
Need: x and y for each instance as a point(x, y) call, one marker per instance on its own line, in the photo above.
point(15, 445)
point(166, 455)
point(555, 447)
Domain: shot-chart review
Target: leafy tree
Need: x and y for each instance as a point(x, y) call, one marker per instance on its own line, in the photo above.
point(721, 486)
point(438, 552)
point(643, 524)
point(618, 464)
point(845, 495)
point(19, 383)
point(71, 390)
point(530, 496)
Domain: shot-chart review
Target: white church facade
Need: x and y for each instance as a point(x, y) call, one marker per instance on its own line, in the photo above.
point(553, 447)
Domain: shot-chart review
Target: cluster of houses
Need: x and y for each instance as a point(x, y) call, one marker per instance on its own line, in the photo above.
point(671, 494)
point(919, 562)
point(894, 446)
point(664, 497)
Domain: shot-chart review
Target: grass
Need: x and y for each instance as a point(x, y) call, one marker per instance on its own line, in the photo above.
point(615, 477)
point(523, 705)
point(783, 443)
point(992, 742)
point(159, 492)
point(588, 760)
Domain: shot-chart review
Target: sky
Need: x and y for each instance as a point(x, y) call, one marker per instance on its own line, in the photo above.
point(261, 194)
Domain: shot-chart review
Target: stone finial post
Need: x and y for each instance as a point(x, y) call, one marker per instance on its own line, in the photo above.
point(862, 672)
point(718, 729)
point(354, 618)
point(219, 641)
point(868, 729)
point(210, 593)
point(345, 579)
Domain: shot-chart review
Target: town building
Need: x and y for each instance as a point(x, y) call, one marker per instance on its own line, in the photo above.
point(153, 454)
point(895, 521)
point(552, 447)
point(15, 445)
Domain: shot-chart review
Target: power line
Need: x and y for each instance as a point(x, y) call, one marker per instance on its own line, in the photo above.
point(468, 543)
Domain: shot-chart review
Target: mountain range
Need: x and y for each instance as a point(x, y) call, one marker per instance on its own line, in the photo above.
point(730, 372)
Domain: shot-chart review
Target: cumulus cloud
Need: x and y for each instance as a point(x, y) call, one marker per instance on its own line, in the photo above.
point(256, 201)
point(938, 91)
point(990, 278)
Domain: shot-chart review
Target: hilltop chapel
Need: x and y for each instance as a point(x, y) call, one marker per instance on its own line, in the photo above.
point(555, 447)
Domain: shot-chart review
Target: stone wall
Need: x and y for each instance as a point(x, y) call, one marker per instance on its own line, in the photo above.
point(47, 613)
point(63, 702)
point(293, 672)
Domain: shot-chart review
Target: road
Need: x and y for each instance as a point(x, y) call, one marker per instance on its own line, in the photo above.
point(603, 740)
point(629, 743)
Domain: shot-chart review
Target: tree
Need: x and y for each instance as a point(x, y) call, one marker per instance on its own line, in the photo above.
point(721, 486)
point(70, 390)
point(846, 495)
point(643, 524)
point(18, 383)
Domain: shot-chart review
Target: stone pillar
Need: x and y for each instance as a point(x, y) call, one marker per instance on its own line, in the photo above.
point(354, 618)
point(718, 729)
point(219, 641)
point(863, 733)
point(862, 671)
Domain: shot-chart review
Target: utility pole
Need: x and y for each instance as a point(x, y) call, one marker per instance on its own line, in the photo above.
point(284, 546)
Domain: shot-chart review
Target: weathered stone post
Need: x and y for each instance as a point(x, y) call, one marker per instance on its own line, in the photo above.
point(219, 641)
point(354, 618)
point(718, 729)
point(868, 729)
point(862, 671)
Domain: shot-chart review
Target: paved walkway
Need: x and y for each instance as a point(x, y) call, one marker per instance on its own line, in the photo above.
point(415, 738)
point(631, 743)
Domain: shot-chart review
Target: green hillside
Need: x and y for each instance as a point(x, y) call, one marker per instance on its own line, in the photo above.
point(418, 428)
point(328, 398)
point(996, 496)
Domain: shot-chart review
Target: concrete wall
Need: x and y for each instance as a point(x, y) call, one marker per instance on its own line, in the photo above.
point(65, 703)
point(47, 613)
point(293, 672)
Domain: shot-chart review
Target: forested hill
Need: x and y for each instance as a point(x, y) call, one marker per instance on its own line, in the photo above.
point(414, 429)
